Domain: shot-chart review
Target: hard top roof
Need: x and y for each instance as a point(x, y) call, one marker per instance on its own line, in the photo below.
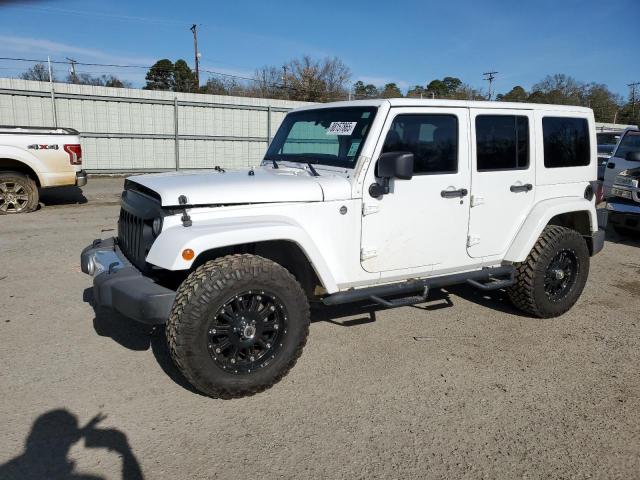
point(418, 102)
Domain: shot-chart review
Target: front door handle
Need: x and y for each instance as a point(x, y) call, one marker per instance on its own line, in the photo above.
point(463, 192)
point(527, 187)
point(611, 165)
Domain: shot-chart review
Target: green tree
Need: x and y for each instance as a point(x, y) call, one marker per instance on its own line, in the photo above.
point(516, 94)
point(184, 80)
point(418, 92)
point(391, 90)
point(160, 76)
point(448, 87)
point(365, 91)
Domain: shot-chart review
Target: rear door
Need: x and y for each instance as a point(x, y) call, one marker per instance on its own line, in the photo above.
point(502, 184)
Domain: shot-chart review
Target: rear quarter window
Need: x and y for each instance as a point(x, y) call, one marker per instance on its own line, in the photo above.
point(566, 142)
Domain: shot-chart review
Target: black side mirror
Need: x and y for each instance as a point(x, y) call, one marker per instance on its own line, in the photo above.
point(396, 165)
point(391, 165)
point(633, 156)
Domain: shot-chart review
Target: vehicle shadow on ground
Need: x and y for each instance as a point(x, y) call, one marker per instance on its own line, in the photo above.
point(631, 239)
point(51, 437)
point(62, 196)
point(136, 336)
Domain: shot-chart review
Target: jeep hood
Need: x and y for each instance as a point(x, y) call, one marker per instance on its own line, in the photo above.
point(266, 185)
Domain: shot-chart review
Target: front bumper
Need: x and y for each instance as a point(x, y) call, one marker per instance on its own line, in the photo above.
point(624, 215)
point(119, 285)
point(81, 178)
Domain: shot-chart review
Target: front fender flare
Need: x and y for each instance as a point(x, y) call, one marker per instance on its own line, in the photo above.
point(166, 251)
point(539, 218)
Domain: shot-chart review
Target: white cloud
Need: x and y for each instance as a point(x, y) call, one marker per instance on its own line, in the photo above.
point(41, 48)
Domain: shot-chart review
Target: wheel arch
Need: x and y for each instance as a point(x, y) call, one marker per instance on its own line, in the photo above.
point(283, 243)
point(13, 165)
point(572, 212)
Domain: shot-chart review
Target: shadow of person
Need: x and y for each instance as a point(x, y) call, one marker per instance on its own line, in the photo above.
point(52, 436)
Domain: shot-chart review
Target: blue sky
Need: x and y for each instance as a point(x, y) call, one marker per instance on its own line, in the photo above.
point(407, 42)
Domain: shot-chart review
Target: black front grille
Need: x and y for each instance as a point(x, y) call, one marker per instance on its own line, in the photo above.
point(130, 237)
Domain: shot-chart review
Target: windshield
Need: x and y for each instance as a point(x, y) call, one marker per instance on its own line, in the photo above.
point(328, 136)
point(629, 143)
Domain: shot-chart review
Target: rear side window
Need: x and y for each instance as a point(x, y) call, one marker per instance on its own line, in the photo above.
point(629, 143)
point(502, 142)
point(566, 142)
point(433, 140)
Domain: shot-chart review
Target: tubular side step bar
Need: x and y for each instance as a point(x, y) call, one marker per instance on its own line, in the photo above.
point(485, 279)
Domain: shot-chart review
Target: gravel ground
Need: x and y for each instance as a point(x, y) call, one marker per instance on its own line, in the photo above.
point(460, 387)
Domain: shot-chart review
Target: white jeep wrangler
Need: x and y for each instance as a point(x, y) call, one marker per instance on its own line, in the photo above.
point(375, 200)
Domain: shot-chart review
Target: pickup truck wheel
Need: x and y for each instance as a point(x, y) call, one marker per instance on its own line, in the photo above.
point(238, 325)
point(18, 193)
point(551, 279)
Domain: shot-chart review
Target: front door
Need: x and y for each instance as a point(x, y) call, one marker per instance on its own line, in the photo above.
point(503, 174)
point(422, 223)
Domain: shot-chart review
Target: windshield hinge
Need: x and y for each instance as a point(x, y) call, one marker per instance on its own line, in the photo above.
point(369, 209)
point(367, 253)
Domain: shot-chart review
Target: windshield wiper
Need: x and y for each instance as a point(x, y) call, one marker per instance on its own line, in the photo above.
point(312, 169)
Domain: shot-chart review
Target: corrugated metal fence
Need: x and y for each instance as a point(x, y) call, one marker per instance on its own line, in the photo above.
point(140, 130)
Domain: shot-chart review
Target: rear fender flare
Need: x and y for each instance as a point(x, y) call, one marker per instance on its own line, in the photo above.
point(539, 218)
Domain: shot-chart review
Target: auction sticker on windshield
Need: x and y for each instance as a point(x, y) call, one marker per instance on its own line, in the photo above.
point(341, 128)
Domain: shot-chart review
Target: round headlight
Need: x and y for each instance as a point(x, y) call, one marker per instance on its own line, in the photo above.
point(156, 228)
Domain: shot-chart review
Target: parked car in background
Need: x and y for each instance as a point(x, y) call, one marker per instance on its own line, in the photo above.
point(607, 141)
point(624, 203)
point(623, 158)
point(32, 158)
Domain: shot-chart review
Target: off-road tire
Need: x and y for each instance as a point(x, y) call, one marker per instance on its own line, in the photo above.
point(528, 294)
point(27, 185)
point(203, 293)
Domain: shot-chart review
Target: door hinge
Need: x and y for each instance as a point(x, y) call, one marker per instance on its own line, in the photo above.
point(369, 209)
point(471, 241)
point(476, 200)
point(367, 253)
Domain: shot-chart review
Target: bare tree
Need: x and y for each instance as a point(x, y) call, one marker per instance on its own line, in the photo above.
point(317, 80)
point(38, 72)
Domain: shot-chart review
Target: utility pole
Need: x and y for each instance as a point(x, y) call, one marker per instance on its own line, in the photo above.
point(284, 80)
point(490, 77)
point(194, 29)
point(74, 77)
point(633, 86)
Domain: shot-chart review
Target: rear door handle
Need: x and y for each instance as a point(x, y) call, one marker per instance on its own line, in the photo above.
point(527, 187)
point(611, 165)
point(463, 192)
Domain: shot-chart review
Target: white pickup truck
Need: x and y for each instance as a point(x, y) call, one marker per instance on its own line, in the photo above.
point(32, 158)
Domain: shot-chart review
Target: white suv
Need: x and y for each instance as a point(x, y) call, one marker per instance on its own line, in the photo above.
point(375, 200)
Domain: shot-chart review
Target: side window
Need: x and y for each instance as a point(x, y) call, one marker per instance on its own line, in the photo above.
point(566, 142)
point(502, 142)
point(433, 140)
point(629, 143)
